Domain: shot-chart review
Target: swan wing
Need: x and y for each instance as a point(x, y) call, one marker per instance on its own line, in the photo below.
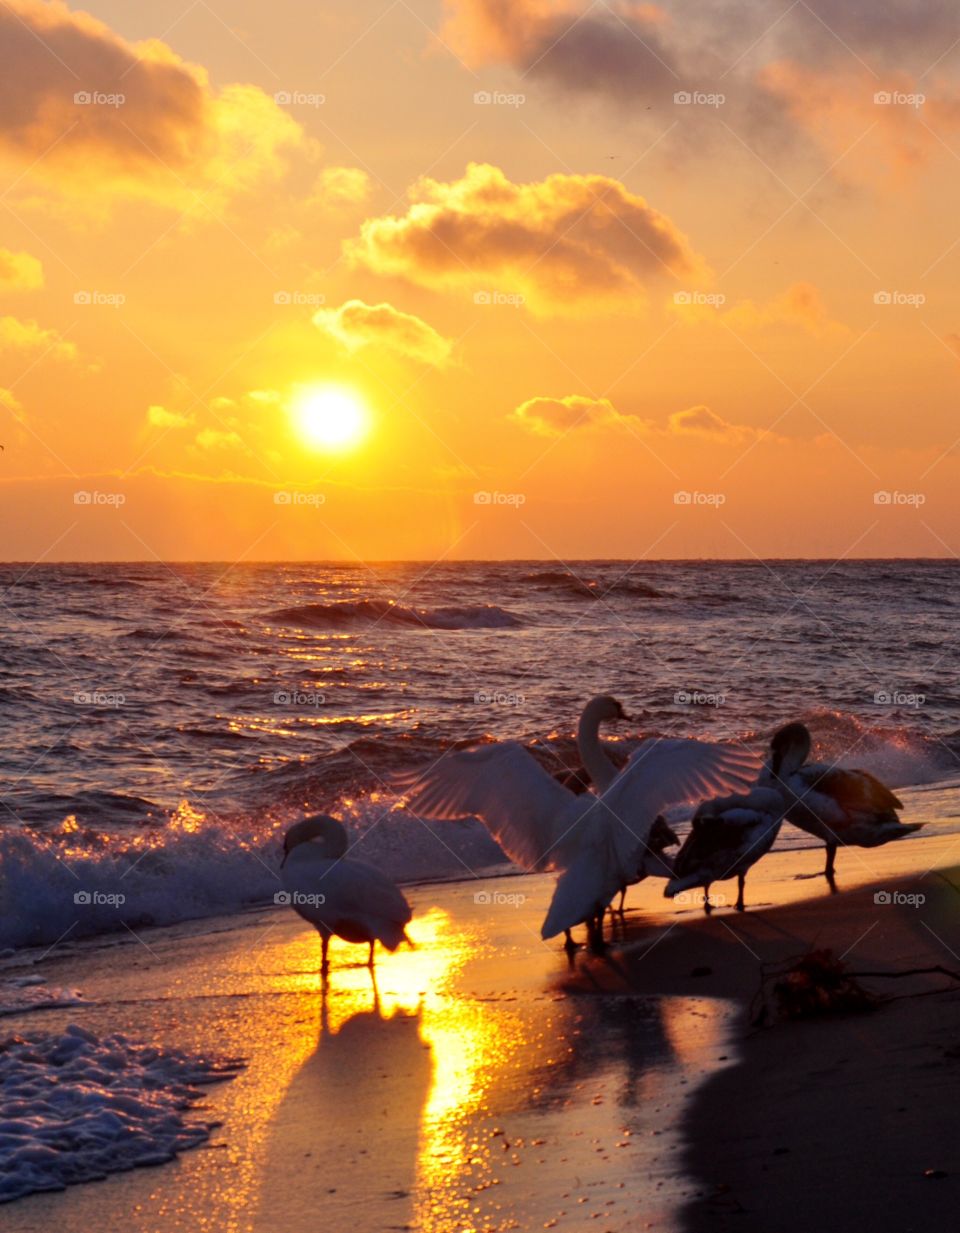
point(665, 772)
point(525, 809)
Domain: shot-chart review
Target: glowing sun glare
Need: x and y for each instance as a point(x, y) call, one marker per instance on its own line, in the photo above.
point(330, 418)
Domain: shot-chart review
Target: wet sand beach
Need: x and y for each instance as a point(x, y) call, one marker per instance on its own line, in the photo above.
point(480, 1083)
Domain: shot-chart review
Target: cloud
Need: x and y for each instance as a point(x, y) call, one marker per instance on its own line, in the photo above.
point(94, 115)
point(19, 271)
point(620, 50)
point(17, 335)
point(560, 242)
point(552, 417)
point(701, 421)
point(216, 438)
point(800, 305)
point(355, 325)
point(160, 417)
point(784, 71)
point(9, 400)
point(341, 186)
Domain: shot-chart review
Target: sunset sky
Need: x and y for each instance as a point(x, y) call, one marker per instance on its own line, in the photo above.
point(287, 281)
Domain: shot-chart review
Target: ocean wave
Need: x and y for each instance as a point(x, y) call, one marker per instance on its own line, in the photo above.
point(76, 1107)
point(75, 883)
point(591, 588)
point(346, 613)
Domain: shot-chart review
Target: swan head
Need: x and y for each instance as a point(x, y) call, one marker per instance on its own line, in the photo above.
point(324, 832)
point(790, 748)
point(604, 709)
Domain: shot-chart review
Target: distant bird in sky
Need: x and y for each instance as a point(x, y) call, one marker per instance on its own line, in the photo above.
point(342, 897)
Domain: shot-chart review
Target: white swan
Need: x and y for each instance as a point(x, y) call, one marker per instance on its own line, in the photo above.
point(840, 806)
point(340, 896)
point(597, 841)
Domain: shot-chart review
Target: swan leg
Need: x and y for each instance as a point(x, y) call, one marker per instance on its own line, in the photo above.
point(741, 881)
point(707, 905)
point(370, 960)
point(828, 872)
point(623, 895)
point(324, 948)
point(569, 945)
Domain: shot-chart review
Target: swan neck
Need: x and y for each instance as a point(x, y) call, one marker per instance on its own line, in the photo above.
point(592, 754)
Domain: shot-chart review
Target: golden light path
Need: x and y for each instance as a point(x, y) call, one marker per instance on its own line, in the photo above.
point(330, 417)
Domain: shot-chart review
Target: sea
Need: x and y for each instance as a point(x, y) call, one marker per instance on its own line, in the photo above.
point(161, 724)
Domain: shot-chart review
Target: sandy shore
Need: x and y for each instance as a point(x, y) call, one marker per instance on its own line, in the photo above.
point(483, 1085)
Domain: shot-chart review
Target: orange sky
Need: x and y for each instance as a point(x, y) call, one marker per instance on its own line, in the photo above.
point(659, 282)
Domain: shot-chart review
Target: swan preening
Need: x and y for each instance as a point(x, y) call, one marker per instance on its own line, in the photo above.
point(840, 806)
point(340, 896)
point(597, 841)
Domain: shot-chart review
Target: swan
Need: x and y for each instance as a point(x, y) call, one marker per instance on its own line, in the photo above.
point(730, 834)
point(843, 807)
point(595, 841)
point(348, 898)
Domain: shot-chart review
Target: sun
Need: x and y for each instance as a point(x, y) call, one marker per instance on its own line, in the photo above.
point(330, 417)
